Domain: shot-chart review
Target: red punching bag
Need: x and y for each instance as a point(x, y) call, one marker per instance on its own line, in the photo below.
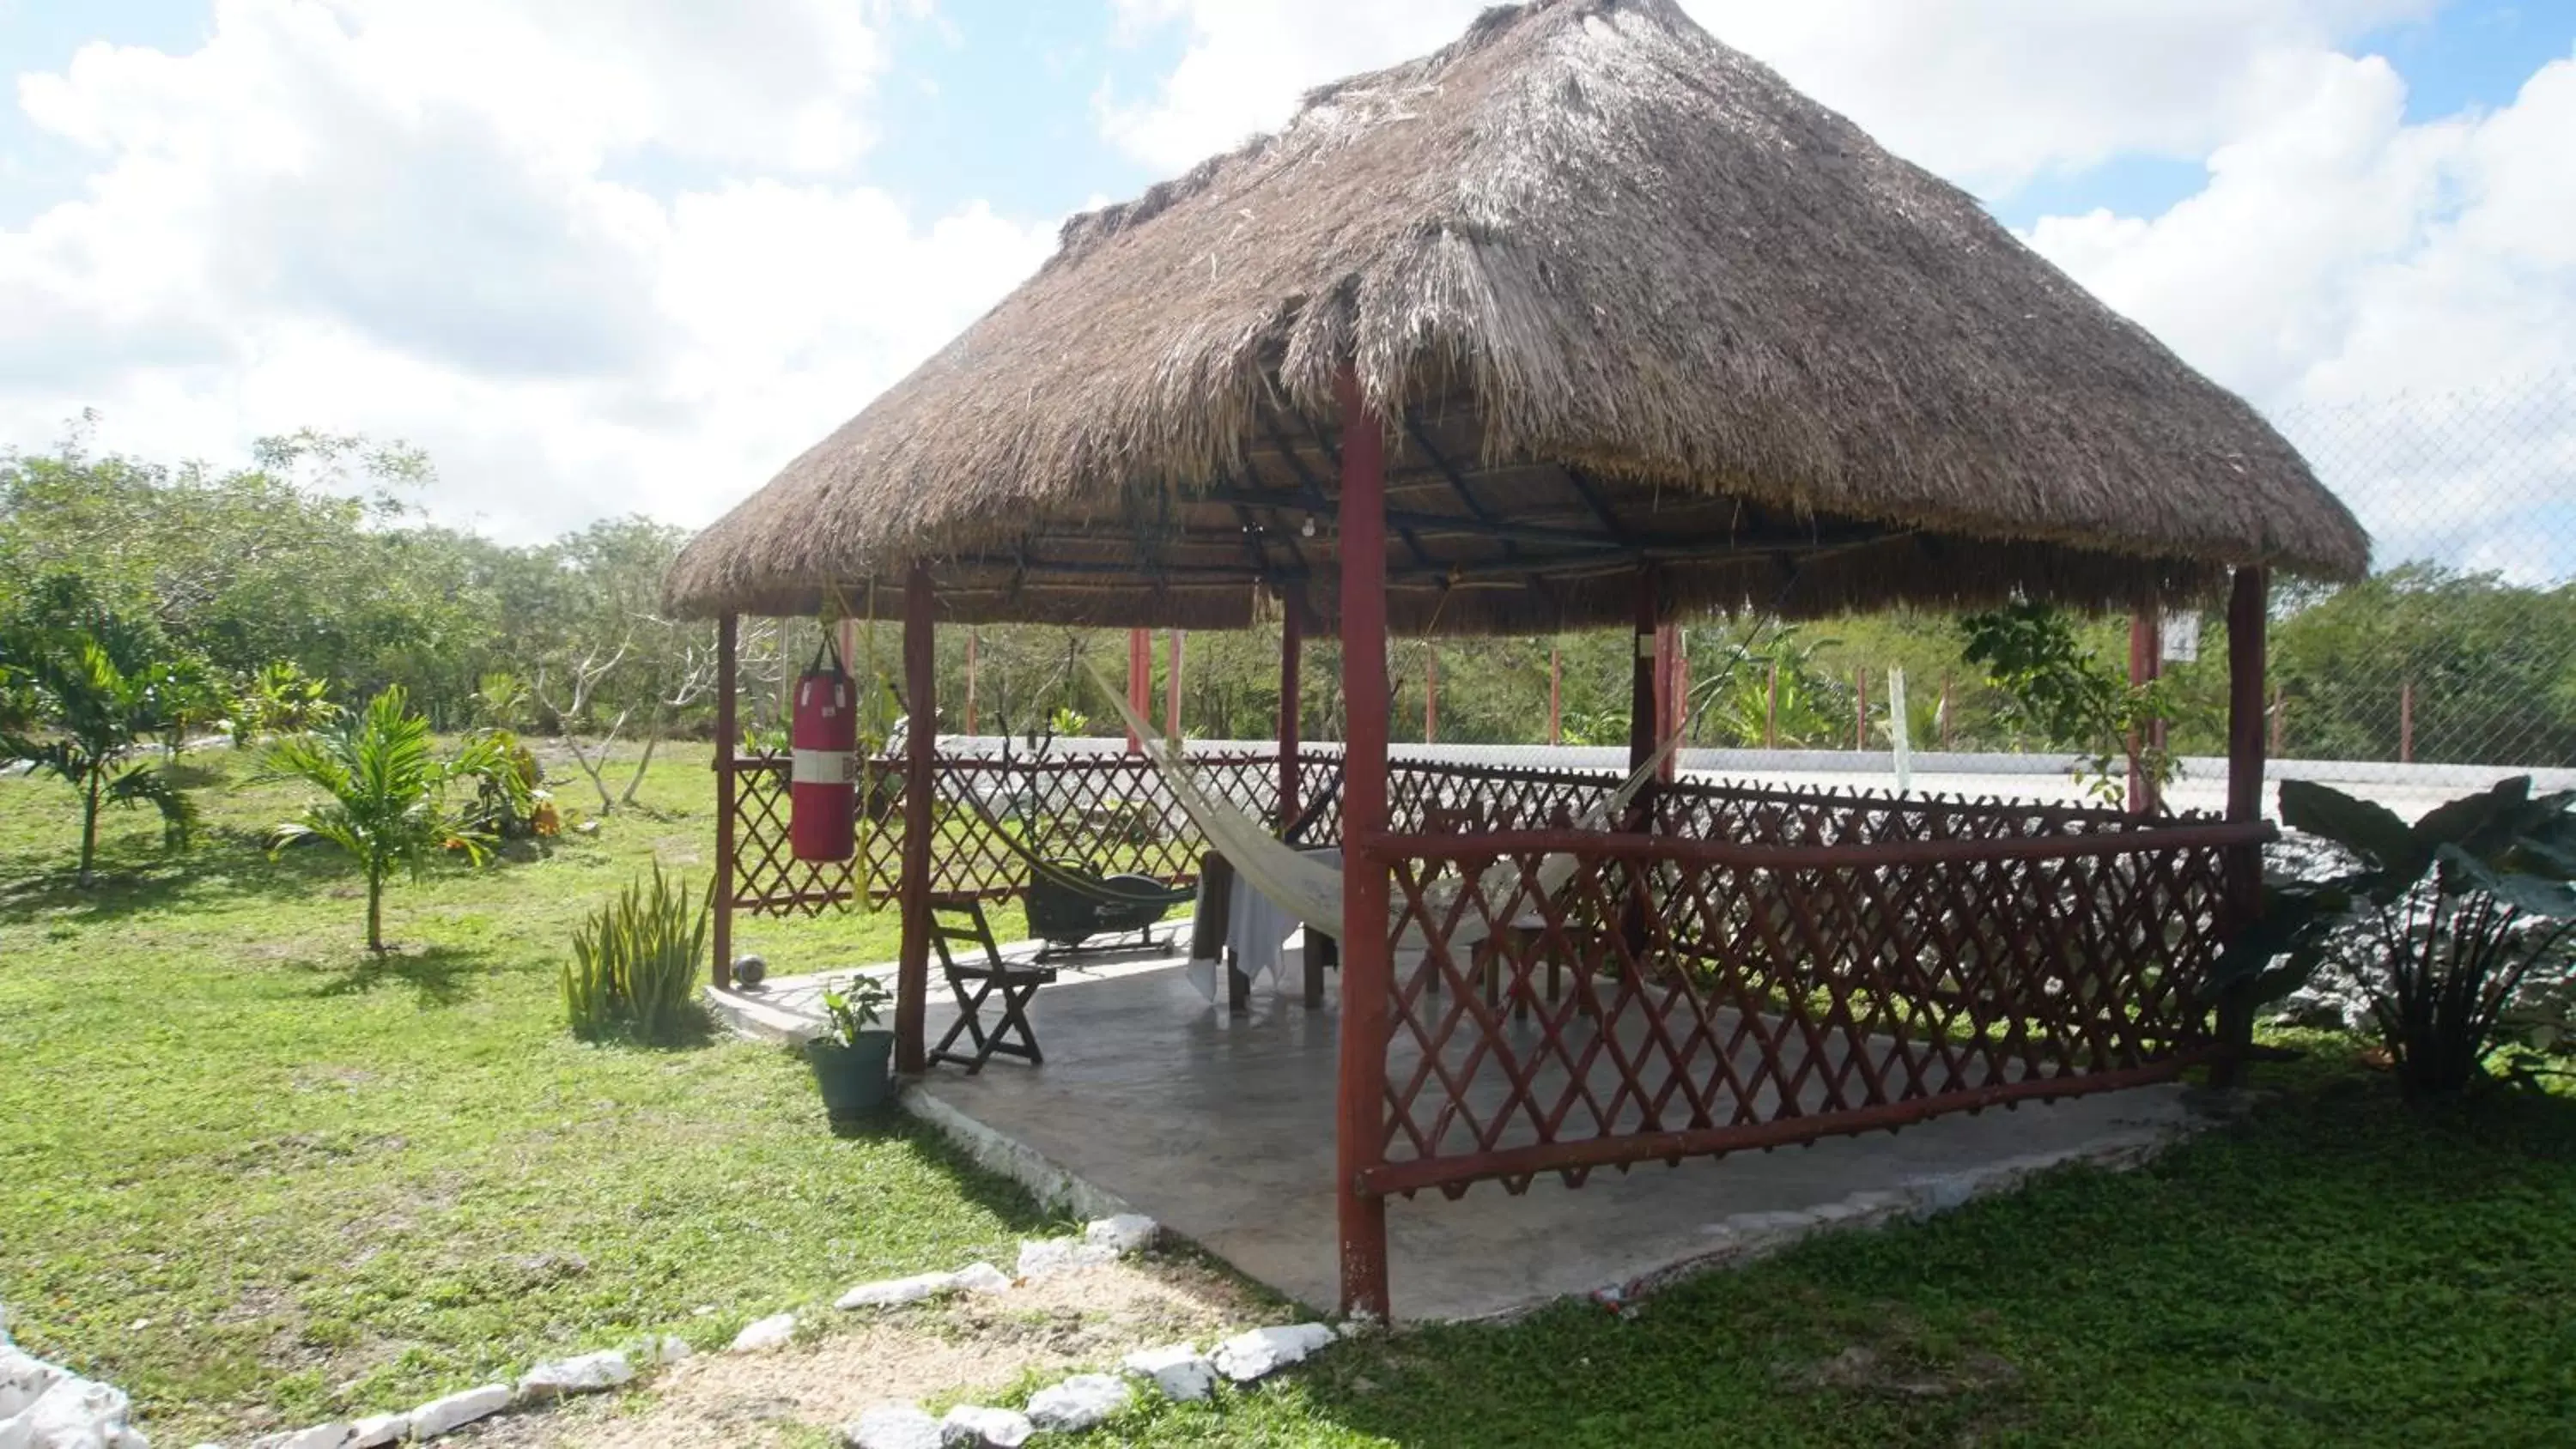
point(822, 814)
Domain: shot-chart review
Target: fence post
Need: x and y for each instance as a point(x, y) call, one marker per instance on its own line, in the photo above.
point(728, 737)
point(970, 680)
point(1555, 695)
point(2406, 723)
point(1771, 716)
point(1430, 695)
point(1860, 711)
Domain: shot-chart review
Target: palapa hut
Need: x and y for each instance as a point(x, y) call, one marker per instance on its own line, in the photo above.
point(1587, 320)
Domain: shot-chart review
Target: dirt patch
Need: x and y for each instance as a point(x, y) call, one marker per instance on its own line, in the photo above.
point(1865, 1370)
point(965, 1346)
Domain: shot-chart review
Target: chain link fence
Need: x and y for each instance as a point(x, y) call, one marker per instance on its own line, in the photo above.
point(2461, 649)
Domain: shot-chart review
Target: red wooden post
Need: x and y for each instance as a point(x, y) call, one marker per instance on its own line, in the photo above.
point(1644, 702)
point(1140, 682)
point(1430, 696)
point(1172, 690)
point(1555, 696)
point(920, 742)
point(1367, 970)
point(2146, 645)
point(970, 681)
point(1292, 640)
point(728, 739)
point(1667, 708)
point(1680, 698)
point(2248, 616)
point(2406, 723)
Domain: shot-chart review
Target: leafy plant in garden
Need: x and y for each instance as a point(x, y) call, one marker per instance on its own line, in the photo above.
point(636, 963)
point(856, 1010)
point(76, 710)
point(1772, 691)
point(2058, 690)
point(280, 699)
point(388, 793)
point(2447, 924)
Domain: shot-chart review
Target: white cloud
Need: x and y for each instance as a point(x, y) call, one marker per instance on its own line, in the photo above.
point(2402, 297)
point(1987, 92)
point(427, 222)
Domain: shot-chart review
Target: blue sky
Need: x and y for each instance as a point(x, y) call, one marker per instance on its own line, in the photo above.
point(599, 255)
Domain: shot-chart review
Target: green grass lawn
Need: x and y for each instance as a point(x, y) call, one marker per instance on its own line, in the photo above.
point(242, 1168)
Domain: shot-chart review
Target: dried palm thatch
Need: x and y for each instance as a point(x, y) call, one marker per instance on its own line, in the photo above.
point(1621, 295)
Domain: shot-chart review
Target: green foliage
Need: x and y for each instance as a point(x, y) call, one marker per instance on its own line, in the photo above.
point(387, 793)
point(500, 701)
point(1811, 711)
point(279, 698)
point(2062, 692)
point(636, 963)
point(83, 687)
point(2444, 923)
point(2494, 677)
point(858, 1008)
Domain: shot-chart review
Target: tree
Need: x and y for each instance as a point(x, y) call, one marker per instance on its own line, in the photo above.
point(388, 790)
point(2063, 692)
point(76, 712)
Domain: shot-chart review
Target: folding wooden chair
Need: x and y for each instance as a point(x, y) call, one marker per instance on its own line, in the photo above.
point(974, 983)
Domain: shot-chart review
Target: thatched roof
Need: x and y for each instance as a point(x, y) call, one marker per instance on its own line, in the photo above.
point(1623, 295)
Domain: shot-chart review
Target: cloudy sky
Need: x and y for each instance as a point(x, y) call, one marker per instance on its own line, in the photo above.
point(612, 255)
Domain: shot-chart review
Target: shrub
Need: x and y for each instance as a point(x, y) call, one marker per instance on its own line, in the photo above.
point(2450, 926)
point(636, 962)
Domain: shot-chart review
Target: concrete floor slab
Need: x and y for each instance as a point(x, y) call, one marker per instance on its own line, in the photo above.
point(1221, 1127)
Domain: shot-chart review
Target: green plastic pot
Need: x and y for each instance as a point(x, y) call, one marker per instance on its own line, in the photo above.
point(855, 1079)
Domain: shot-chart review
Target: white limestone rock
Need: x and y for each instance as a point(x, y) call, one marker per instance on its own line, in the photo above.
point(894, 1426)
point(1045, 1256)
point(320, 1436)
point(585, 1373)
point(972, 1426)
point(1178, 1369)
point(892, 1292)
point(1124, 1233)
point(771, 1332)
point(378, 1430)
point(23, 1380)
point(457, 1410)
point(1077, 1403)
point(982, 1278)
point(1248, 1356)
point(72, 1413)
point(660, 1349)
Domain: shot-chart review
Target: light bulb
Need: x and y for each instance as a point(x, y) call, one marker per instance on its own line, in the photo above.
point(1308, 528)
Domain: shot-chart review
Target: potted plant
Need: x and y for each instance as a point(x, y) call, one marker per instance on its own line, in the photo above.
point(851, 1060)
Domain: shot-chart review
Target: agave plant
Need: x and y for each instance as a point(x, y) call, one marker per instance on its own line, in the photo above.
point(387, 793)
point(2443, 923)
point(635, 962)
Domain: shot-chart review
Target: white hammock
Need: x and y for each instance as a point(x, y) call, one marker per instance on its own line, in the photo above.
point(1311, 890)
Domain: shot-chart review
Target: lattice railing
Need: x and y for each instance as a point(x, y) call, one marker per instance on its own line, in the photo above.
point(1667, 997)
point(1113, 811)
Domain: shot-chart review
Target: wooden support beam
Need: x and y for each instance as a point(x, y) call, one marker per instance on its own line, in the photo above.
point(920, 783)
point(2249, 606)
point(1367, 966)
point(728, 740)
point(1292, 668)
